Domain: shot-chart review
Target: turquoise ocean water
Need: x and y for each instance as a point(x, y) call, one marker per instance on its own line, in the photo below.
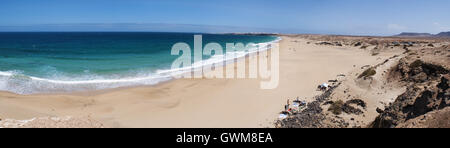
point(53, 62)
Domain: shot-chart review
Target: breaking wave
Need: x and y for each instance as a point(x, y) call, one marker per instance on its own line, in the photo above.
point(17, 82)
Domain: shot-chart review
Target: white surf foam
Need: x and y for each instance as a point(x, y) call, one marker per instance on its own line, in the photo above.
point(16, 82)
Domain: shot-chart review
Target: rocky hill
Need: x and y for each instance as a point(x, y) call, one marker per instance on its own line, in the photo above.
point(409, 89)
point(443, 34)
point(413, 34)
point(427, 91)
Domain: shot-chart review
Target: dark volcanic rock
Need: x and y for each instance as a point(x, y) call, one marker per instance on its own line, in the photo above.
point(419, 98)
point(324, 43)
point(434, 119)
point(418, 71)
point(312, 116)
point(330, 44)
point(351, 110)
point(379, 110)
point(358, 102)
point(339, 106)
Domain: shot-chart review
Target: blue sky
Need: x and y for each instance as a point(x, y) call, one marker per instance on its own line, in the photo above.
point(355, 17)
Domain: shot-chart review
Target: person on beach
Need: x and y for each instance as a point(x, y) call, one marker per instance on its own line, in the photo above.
point(286, 107)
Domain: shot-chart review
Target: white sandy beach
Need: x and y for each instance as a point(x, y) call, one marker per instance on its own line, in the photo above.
point(201, 102)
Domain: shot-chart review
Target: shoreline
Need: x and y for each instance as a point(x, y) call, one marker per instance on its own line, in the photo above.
point(162, 76)
point(106, 90)
point(199, 102)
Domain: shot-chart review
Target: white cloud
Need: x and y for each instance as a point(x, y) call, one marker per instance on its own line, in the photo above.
point(396, 27)
point(441, 27)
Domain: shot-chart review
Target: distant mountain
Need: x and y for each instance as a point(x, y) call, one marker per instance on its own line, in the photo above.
point(443, 34)
point(413, 34)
